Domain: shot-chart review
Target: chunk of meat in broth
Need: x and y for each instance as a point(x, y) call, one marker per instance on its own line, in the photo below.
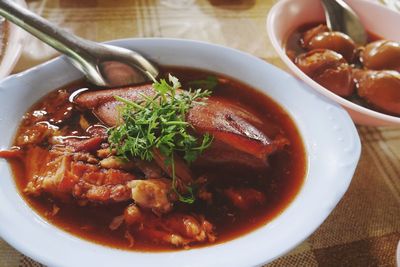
point(183, 173)
point(236, 130)
point(66, 179)
point(154, 194)
point(176, 229)
point(238, 139)
point(94, 137)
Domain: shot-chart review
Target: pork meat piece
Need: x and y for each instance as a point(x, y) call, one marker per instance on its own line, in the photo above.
point(61, 176)
point(237, 135)
point(154, 194)
point(179, 230)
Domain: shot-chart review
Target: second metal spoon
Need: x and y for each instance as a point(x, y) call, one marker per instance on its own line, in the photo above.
point(103, 65)
point(340, 17)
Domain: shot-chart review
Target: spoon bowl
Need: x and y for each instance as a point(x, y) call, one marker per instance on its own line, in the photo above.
point(112, 66)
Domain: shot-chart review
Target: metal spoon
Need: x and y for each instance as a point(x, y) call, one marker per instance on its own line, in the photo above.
point(340, 17)
point(103, 65)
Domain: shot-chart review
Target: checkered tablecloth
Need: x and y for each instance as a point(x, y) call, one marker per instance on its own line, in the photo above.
point(364, 228)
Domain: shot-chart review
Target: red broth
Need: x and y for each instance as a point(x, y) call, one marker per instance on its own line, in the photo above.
point(280, 183)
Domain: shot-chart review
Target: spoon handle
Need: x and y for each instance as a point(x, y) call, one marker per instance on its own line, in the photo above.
point(59, 39)
point(334, 14)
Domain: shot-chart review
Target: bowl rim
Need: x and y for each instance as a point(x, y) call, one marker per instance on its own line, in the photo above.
point(270, 25)
point(313, 222)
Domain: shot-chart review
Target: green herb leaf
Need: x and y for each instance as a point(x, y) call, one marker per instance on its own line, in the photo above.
point(189, 198)
point(158, 122)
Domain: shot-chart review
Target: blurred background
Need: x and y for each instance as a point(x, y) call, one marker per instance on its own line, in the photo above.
point(237, 23)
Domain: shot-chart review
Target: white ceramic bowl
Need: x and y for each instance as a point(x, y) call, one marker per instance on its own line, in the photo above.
point(13, 47)
point(331, 141)
point(287, 15)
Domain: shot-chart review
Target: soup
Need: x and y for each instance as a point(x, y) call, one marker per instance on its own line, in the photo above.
point(204, 167)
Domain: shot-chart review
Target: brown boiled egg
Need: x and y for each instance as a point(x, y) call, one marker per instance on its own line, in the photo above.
point(329, 69)
point(380, 55)
point(320, 38)
point(381, 89)
point(308, 35)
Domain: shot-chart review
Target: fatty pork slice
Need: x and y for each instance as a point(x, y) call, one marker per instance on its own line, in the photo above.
point(238, 139)
point(60, 175)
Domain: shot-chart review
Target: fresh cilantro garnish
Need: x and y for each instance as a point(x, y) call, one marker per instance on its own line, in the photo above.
point(158, 122)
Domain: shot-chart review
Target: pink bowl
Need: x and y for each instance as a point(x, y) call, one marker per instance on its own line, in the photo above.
point(287, 15)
